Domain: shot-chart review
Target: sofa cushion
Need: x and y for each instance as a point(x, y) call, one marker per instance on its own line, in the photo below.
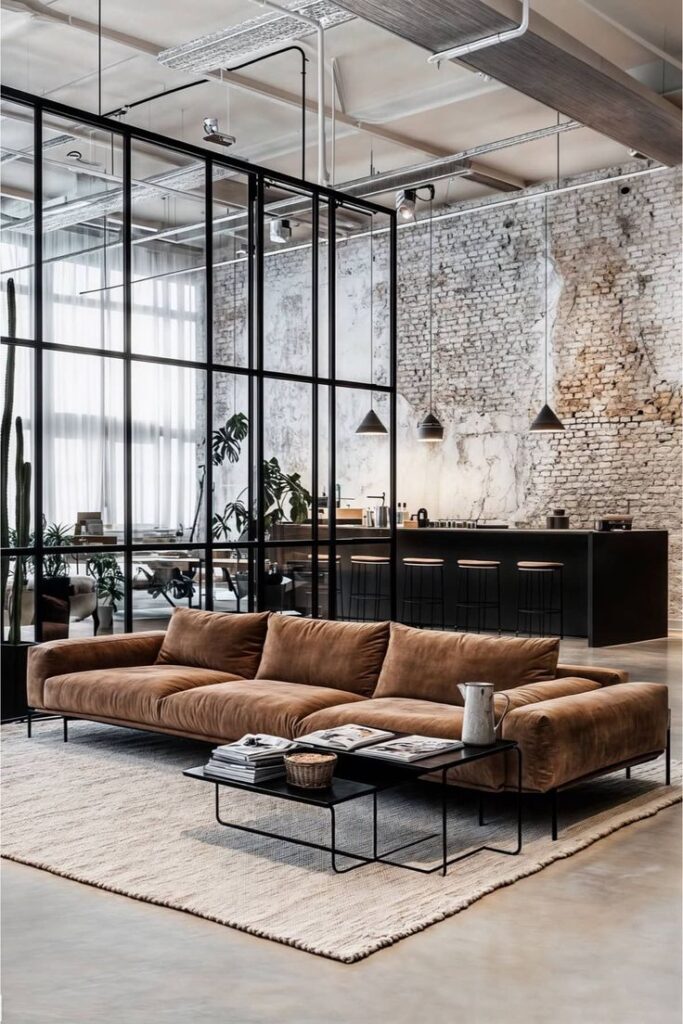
point(342, 655)
point(130, 694)
point(428, 665)
point(231, 709)
point(223, 641)
point(566, 739)
point(59, 657)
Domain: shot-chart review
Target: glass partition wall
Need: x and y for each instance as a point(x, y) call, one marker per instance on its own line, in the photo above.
point(197, 341)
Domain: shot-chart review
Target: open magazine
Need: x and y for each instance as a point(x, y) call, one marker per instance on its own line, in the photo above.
point(411, 748)
point(346, 737)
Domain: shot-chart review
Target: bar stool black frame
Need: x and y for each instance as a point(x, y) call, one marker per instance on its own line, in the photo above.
point(366, 587)
point(417, 570)
point(535, 593)
point(477, 601)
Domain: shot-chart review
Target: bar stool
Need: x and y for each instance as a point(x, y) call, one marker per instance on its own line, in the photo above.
point(478, 590)
point(423, 587)
point(368, 586)
point(324, 572)
point(539, 586)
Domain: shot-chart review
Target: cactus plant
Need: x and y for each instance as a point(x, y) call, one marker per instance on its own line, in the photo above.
point(5, 431)
point(23, 517)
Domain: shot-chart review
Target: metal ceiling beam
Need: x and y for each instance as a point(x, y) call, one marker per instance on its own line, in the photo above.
point(545, 63)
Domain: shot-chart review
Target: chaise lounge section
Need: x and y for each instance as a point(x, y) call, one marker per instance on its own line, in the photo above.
point(214, 677)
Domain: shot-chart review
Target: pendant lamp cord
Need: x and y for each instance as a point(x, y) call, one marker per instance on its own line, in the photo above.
point(431, 295)
point(372, 331)
point(545, 229)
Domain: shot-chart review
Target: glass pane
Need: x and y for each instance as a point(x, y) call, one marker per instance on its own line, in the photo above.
point(230, 456)
point(230, 268)
point(362, 301)
point(168, 260)
point(234, 579)
point(17, 207)
point(163, 581)
point(287, 305)
point(82, 235)
point(287, 426)
point(17, 368)
point(82, 594)
point(83, 476)
point(363, 464)
point(168, 456)
point(19, 594)
point(288, 579)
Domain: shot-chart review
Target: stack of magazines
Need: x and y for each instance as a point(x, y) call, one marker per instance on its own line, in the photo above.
point(253, 759)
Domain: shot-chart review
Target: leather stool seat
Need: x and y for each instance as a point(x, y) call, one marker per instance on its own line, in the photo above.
point(478, 563)
point(423, 561)
point(370, 559)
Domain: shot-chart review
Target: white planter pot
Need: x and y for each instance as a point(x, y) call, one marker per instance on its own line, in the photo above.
point(106, 614)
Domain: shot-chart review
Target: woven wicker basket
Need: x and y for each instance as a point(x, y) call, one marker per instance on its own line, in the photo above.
point(310, 771)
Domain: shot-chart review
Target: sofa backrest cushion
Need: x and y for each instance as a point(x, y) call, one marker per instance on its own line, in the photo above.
point(341, 655)
point(428, 665)
point(223, 641)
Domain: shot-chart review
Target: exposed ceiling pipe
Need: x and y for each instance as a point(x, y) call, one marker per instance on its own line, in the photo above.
point(323, 173)
point(482, 44)
point(48, 14)
point(461, 211)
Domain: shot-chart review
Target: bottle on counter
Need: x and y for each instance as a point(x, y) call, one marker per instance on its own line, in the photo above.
point(399, 514)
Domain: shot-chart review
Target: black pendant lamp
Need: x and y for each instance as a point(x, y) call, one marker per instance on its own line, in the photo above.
point(430, 428)
point(547, 420)
point(371, 423)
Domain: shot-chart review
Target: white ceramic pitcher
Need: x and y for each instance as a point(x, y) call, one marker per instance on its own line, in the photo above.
point(479, 726)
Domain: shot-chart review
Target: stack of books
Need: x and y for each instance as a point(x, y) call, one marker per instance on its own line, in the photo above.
point(253, 759)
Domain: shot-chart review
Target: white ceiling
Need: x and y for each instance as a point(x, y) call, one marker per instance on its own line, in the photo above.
point(385, 81)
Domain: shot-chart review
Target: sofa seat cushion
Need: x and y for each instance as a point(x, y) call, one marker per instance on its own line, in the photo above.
point(398, 714)
point(231, 709)
point(567, 739)
point(342, 655)
point(129, 694)
point(428, 664)
point(223, 641)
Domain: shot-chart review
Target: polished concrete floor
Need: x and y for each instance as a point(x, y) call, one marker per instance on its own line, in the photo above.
point(594, 939)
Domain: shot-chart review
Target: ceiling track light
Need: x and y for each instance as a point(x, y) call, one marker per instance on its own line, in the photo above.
point(212, 133)
point(406, 201)
point(371, 423)
point(547, 421)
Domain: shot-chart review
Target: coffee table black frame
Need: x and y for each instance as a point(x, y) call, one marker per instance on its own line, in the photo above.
point(377, 775)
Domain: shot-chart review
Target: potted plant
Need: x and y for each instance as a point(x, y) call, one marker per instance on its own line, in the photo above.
point(106, 572)
point(13, 577)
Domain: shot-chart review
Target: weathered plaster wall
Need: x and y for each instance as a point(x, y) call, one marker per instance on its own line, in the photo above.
point(615, 360)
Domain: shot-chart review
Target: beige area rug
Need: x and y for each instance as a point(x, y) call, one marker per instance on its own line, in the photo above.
point(111, 808)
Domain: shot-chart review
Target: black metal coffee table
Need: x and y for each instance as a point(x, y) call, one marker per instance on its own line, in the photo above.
point(370, 776)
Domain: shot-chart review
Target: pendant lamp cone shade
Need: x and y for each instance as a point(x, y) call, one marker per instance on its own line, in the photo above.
point(430, 429)
point(371, 424)
point(547, 420)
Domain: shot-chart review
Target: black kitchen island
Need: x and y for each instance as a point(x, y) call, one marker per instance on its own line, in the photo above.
point(615, 584)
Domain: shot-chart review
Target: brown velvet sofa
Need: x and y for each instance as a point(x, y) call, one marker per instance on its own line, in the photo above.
point(214, 677)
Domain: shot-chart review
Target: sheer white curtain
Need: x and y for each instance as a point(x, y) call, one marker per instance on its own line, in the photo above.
point(83, 395)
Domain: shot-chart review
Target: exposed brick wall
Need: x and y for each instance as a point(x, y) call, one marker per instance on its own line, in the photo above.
point(615, 359)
